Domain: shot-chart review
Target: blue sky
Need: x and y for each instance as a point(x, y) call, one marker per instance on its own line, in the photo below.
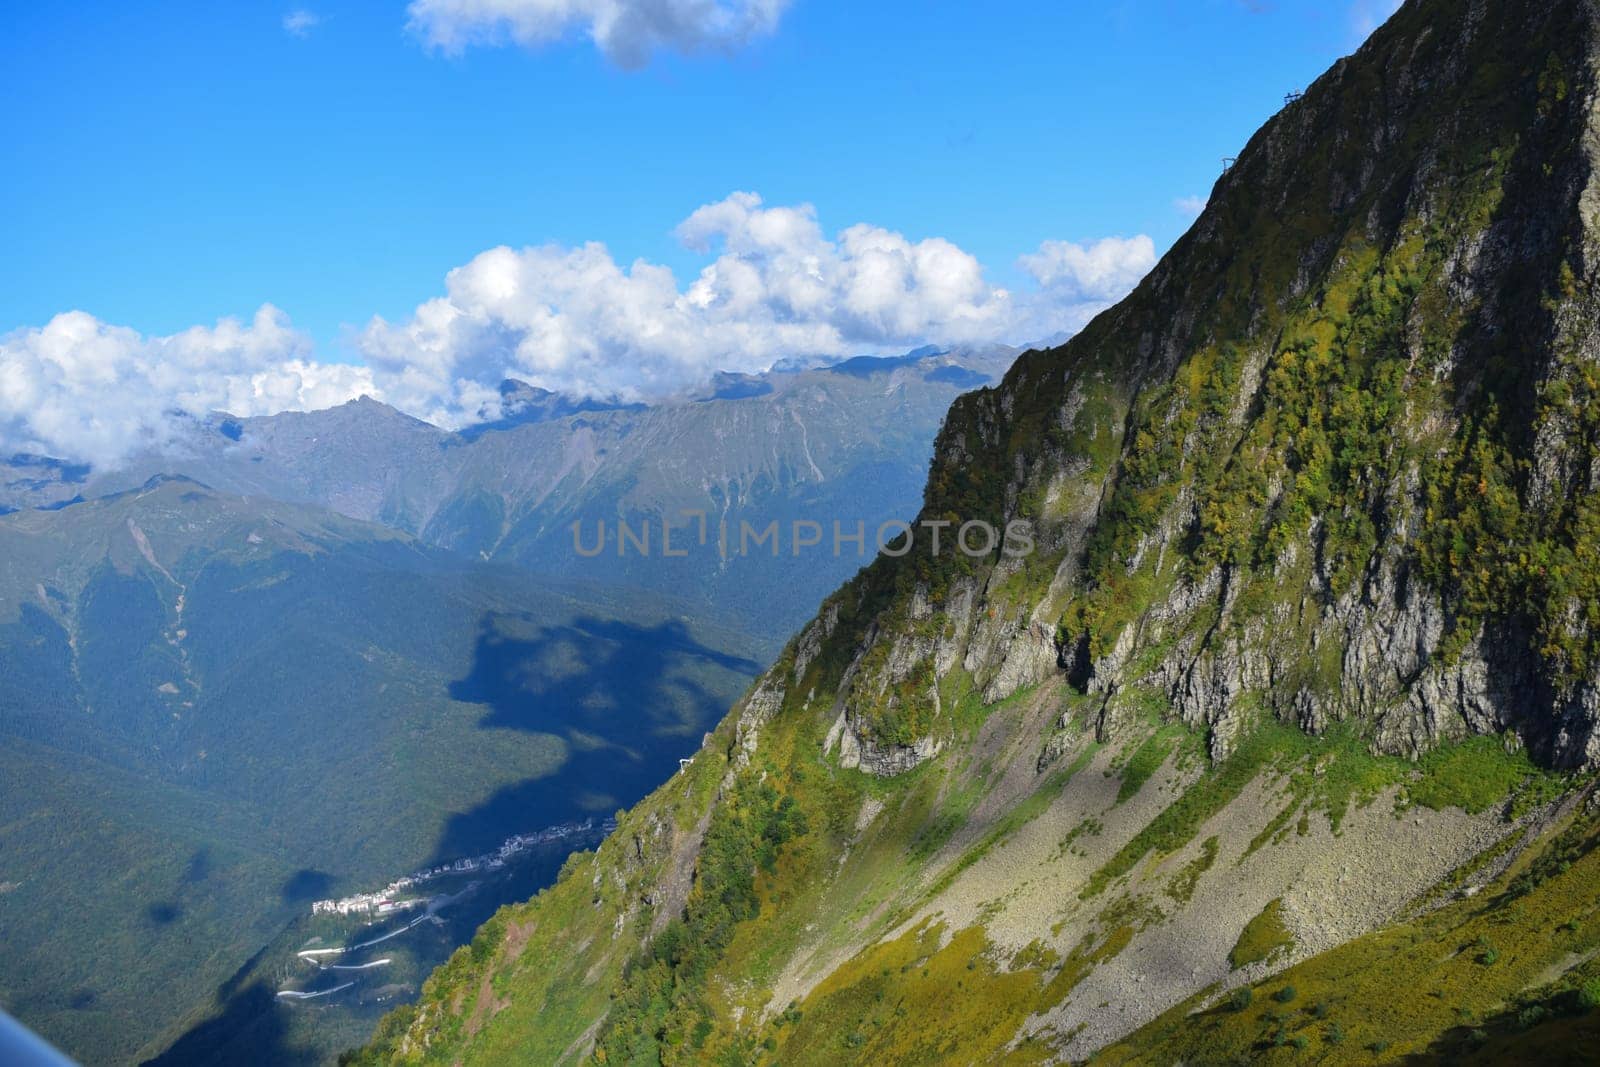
point(183, 162)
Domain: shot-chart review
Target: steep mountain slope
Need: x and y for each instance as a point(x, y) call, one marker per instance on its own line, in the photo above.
point(1313, 601)
point(847, 443)
point(215, 709)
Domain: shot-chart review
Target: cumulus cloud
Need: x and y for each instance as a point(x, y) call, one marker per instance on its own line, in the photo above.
point(1091, 275)
point(774, 284)
point(77, 388)
point(628, 32)
point(574, 320)
point(1190, 206)
point(300, 22)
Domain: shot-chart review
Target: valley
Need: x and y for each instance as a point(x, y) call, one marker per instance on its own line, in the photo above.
point(246, 706)
point(280, 663)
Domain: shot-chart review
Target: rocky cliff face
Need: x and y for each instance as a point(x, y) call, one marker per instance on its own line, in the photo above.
point(1311, 610)
point(1338, 454)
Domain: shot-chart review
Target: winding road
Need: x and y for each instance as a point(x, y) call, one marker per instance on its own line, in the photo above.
point(355, 966)
point(313, 953)
point(293, 994)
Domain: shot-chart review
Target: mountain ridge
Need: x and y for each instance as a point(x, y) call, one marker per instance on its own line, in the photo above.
point(1309, 625)
point(810, 444)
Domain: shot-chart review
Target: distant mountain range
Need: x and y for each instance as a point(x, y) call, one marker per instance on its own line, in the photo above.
point(297, 655)
point(847, 442)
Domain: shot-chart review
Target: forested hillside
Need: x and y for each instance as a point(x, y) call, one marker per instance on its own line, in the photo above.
point(216, 710)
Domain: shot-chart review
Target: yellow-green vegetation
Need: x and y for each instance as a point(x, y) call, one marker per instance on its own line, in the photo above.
point(921, 998)
point(539, 974)
point(1477, 774)
point(1489, 979)
point(663, 1000)
point(1149, 756)
point(1181, 887)
point(1262, 938)
point(525, 972)
point(1328, 774)
point(916, 1000)
point(784, 863)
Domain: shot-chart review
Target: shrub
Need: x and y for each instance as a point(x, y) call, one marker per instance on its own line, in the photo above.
point(1378, 1047)
point(1241, 998)
point(1301, 1042)
point(1589, 994)
point(1335, 1035)
point(1262, 937)
point(1285, 995)
point(1319, 1010)
point(662, 986)
point(1532, 1016)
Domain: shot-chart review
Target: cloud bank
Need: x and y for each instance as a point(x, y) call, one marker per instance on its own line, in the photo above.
point(628, 32)
point(77, 388)
point(573, 320)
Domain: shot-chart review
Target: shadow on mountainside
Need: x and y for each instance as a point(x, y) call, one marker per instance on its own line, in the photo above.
point(626, 701)
point(1559, 1034)
point(248, 1020)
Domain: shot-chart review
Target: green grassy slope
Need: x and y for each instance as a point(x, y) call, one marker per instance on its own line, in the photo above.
point(871, 917)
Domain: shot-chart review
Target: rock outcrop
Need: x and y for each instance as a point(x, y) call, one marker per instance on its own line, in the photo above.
point(1338, 455)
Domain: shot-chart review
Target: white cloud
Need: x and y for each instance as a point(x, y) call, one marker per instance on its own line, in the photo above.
point(574, 320)
point(628, 32)
point(77, 388)
point(774, 284)
point(1190, 206)
point(1100, 272)
point(300, 22)
point(1368, 15)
